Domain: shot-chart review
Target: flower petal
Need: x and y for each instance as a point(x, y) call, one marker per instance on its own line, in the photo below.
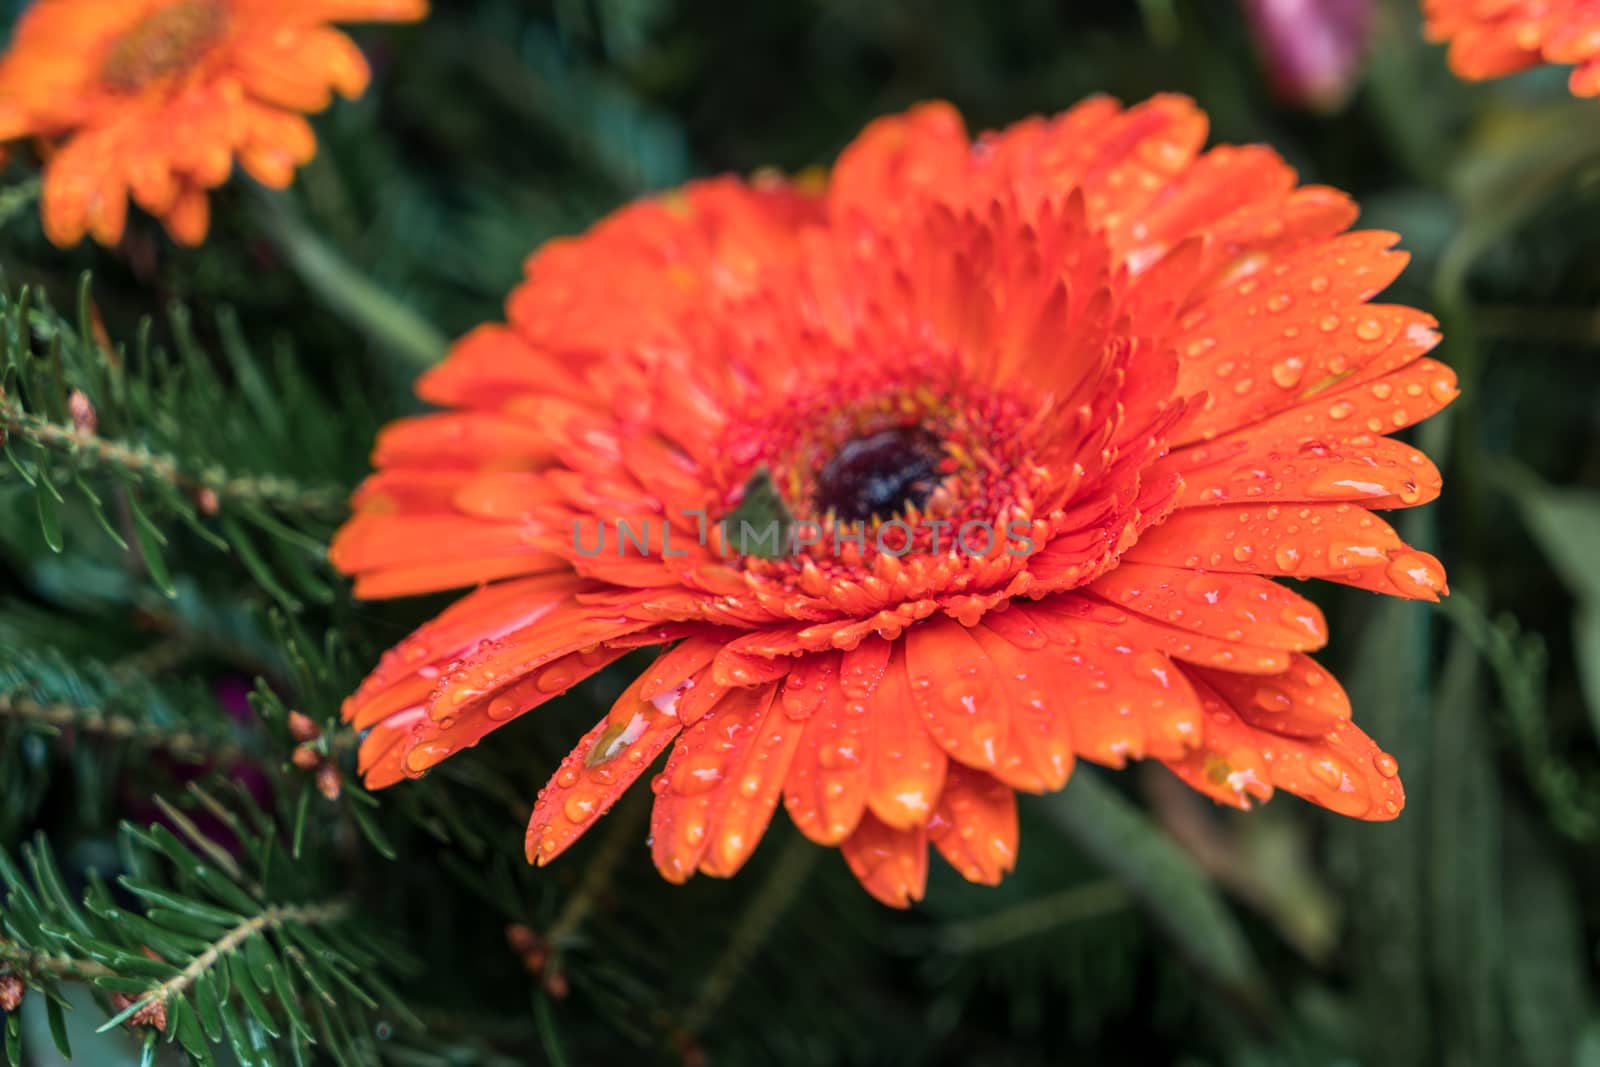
point(1342, 770)
point(1240, 609)
point(751, 794)
point(1339, 542)
point(1304, 701)
point(908, 766)
point(975, 825)
point(954, 687)
point(700, 776)
point(1124, 702)
point(593, 775)
point(890, 864)
point(826, 788)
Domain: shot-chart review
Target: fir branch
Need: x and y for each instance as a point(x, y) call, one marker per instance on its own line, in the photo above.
point(34, 966)
point(187, 745)
point(273, 918)
point(79, 443)
point(16, 199)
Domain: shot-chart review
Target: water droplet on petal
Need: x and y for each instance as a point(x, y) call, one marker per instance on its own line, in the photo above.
point(698, 774)
point(1271, 698)
point(579, 807)
point(1286, 373)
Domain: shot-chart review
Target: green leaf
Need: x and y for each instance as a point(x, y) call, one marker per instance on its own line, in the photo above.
point(1156, 872)
point(1466, 923)
point(58, 1028)
point(125, 1014)
point(371, 831)
point(1546, 988)
point(1566, 523)
point(151, 541)
point(257, 566)
point(761, 526)
point(50, 517)
point(248, 993)
point(204, 912)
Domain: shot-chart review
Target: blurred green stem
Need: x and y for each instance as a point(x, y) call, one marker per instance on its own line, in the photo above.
point(766, 907)
point(348, 293)
point(1157, 873)
point(1079, 903)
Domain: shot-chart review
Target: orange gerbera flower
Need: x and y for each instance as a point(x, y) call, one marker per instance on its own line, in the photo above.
point(1055, 406)
point(1493, 38)
point(155, 98)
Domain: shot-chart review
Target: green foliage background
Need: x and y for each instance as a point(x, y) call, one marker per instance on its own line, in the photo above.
point(175, 550)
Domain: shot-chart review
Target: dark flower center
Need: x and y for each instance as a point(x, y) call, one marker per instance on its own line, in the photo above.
point(166, 41)
point(878, 476)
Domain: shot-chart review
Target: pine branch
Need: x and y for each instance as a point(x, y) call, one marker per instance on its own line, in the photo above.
point(34, 967)
point(218, 947)
point(184, 744)
point(153, 444)
point(271, 919)
point(83, 447)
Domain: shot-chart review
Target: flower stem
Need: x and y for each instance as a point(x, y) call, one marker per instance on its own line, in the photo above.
point(348, 293)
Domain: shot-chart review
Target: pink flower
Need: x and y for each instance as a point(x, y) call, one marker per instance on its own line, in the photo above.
point(1312, 49)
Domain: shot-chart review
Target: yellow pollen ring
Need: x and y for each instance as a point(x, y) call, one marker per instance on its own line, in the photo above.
point(164, 42)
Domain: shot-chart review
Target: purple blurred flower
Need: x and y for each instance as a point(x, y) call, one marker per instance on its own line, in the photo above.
point(232, 693)
point(1312, 49)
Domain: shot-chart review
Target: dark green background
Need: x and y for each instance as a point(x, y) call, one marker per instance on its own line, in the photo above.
point(1464, 933)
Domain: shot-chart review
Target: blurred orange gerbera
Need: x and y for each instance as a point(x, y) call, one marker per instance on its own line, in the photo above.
point(155, 98)
point(1047, 412)
point(1492, 38)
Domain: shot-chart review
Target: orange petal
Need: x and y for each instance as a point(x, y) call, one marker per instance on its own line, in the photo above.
point(679, 663)
point(890, 864)
point(437, 737)
point(1341, 542)
point(375, 543)
point(409, 672)
point(547, 658)
point(908, 766)
point(1241, 609)
point(700, 776)
point(592, 776)
point(190, 216)
point(897, 156)
point(1335, 413)
point(1038, 754)
point(1342, 770)
point(975, 825)
point(1379, 473)
point(1125, 702)
point(751, 794)
point(1187, 645)
point(1254, 345)
point(954, 687)
point(826, 788)
point(811, 680)
point(1304, 701)
point(462, 439)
